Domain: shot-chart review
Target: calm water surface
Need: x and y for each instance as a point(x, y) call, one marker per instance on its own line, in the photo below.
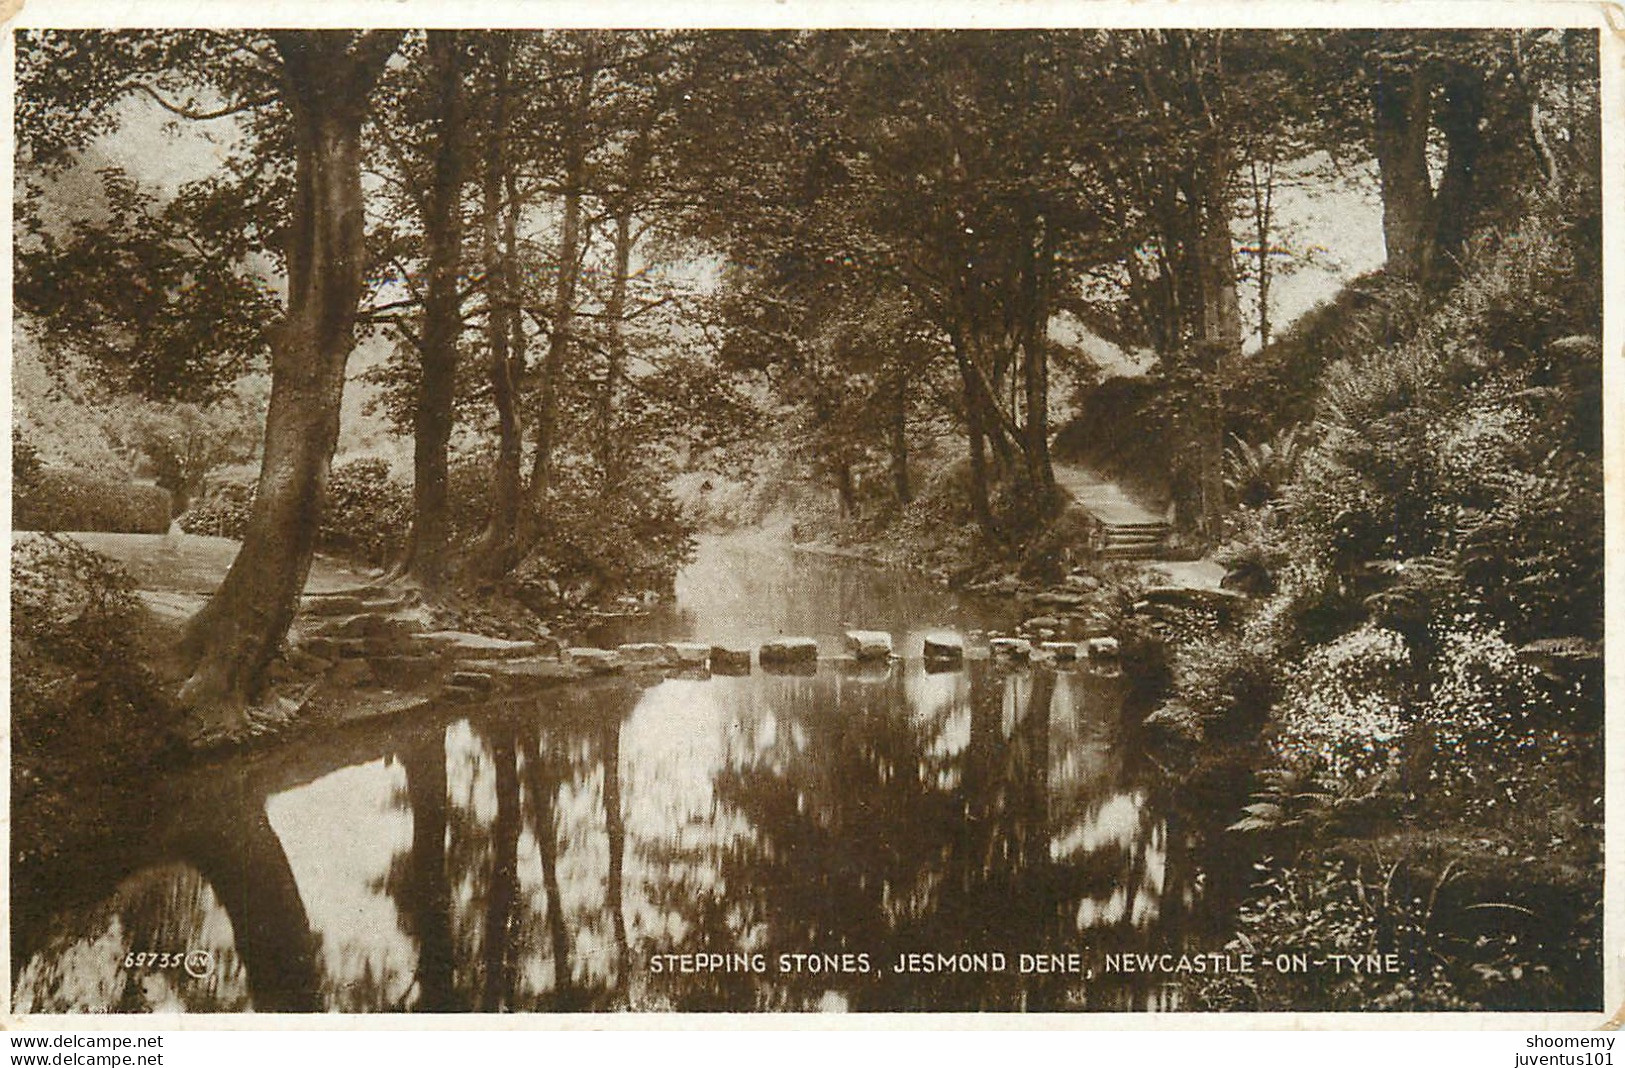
point(852, 839)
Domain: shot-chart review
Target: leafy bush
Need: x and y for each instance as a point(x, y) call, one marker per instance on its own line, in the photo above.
point(59, 498)
point(1344, 711)
point(367, 513)
point(81, 700)
point(222, 511)
point(634, 538)
point(1327, 906)
point(366, 517)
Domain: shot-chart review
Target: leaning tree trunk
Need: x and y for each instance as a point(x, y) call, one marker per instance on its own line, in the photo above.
point(327, 76)
point(898, 436)
point(442, 320)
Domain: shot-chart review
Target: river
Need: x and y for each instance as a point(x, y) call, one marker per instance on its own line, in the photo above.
point(859, 838)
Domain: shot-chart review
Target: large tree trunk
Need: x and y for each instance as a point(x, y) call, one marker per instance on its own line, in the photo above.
point(442, 319)
point(1461, 109)
point(495, 550)
point(981, 505)
point(1401, 111)
point(327, 76)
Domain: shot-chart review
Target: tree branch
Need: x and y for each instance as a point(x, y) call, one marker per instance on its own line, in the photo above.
point(202, 116)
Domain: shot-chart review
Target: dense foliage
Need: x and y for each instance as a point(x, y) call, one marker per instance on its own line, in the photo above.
point(84, 705)
point(61, 498)
point(1428, 652)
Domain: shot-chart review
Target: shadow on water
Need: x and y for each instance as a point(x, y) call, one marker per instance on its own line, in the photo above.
point(873, 840)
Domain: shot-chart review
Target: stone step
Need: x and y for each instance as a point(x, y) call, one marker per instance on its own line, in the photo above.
point(1154, 525)
point(355, 601)
point(369, 625)
point(1131, 552)
point(470, 646)
point(1134, 539)
point(353, 648)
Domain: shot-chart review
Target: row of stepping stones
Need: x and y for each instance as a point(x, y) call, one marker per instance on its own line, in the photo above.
point(385, 634)
point(863, 647)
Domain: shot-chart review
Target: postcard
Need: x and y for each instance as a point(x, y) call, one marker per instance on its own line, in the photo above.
point(1057, 511)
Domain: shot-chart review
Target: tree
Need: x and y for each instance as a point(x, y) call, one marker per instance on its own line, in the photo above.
point(322, 81)
point(327, 77)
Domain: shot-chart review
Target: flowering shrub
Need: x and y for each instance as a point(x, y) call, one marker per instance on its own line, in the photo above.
point(222, 512)
point(1344, 710)
point(63, 498)
point(1486, 711)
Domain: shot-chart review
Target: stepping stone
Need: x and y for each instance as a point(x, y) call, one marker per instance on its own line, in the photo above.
point(1102, 648)
point(648, 654)
point(729, 661)
point(463, 644)
point(597, 661)
point(790, 667)
point(691, 654)
point(944, 647)
point(1010, 648)
point(790, 651)
point(1061, 652)
point(943, 667)
point(869, 644)
point(474, 680)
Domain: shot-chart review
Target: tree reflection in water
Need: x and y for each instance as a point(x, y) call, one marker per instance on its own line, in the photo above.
point(538, 856)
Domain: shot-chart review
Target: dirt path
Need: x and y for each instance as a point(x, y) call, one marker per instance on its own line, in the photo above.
point(176, 573)
point(1104, 499)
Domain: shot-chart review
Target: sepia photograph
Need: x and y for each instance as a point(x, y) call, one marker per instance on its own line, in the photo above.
point(1063, 519)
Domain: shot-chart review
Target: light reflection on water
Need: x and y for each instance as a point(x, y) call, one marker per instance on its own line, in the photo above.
point(542, 855)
